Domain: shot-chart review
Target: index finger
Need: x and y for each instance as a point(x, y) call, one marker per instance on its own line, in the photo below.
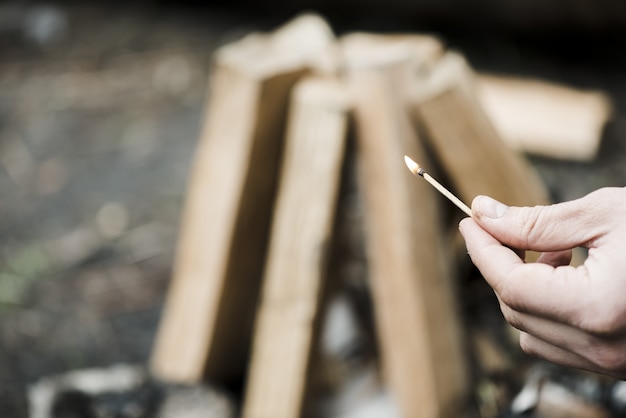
point(557, 293)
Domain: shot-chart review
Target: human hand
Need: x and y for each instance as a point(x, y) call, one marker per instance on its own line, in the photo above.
point(574, 316)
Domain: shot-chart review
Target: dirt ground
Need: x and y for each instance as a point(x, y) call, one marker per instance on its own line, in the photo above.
point(99, 115)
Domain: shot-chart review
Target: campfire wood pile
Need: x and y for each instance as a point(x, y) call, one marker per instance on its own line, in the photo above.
point(249, 281)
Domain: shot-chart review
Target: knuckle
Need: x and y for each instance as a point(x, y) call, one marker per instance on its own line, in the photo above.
point(526, 345)
point(508, 315)
point(512, 318)
point(507, 294)
point(603, 325)
point(609, 358)
point(606, 320)
point(530, 220)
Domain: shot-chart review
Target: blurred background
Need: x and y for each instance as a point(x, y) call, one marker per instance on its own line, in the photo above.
point(100, 110)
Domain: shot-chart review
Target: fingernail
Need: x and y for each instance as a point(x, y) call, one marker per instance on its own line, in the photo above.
point(461, 226)
point(490, 208)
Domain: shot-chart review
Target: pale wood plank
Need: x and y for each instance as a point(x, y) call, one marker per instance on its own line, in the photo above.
point(297, 260)
point(422, 51)
point(417, 323)
point(206, 327)
point(544, 118)
point(474, 157)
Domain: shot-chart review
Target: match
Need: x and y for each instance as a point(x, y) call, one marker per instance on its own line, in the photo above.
point(417, 170)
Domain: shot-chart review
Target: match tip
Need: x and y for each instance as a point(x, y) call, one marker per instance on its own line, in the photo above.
point(413, 166)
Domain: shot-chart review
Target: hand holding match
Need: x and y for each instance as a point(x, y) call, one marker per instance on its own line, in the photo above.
point(417, 170)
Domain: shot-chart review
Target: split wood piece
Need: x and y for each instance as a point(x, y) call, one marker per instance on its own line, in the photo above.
point(545, 118)
point(417, 322)
point(296, 266)
point(421, 51)
point(474, 157)
point(206, 327)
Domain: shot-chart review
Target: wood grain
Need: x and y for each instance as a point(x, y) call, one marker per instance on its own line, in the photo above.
point(297, 260)
point(206, 327)
point(465, 142)
point(417, 323)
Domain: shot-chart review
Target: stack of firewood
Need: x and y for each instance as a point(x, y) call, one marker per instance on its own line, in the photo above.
point(249, 277)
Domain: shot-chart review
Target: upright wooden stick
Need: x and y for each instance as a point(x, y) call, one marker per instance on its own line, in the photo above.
point(417, 326)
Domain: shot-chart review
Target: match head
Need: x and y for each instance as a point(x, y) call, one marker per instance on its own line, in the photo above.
point(413, 166)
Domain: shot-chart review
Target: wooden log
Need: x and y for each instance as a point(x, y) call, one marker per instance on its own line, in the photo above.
point(206, 327)
point(415, 311)
point(544, 118)
point(288, 316)
point(472, 154)
point(420, 50)
point(474, 157)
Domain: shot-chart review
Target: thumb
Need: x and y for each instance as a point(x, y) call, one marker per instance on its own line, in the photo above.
point(539, 228)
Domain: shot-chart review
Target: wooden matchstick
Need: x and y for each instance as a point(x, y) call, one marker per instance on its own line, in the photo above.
point(417, 170)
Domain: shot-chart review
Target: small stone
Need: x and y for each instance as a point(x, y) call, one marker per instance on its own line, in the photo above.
point(52, 176)
point(112, 220)
point(195, 402)
point(173, 75)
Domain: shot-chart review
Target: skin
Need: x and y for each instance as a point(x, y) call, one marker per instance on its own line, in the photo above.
point(573, 316)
